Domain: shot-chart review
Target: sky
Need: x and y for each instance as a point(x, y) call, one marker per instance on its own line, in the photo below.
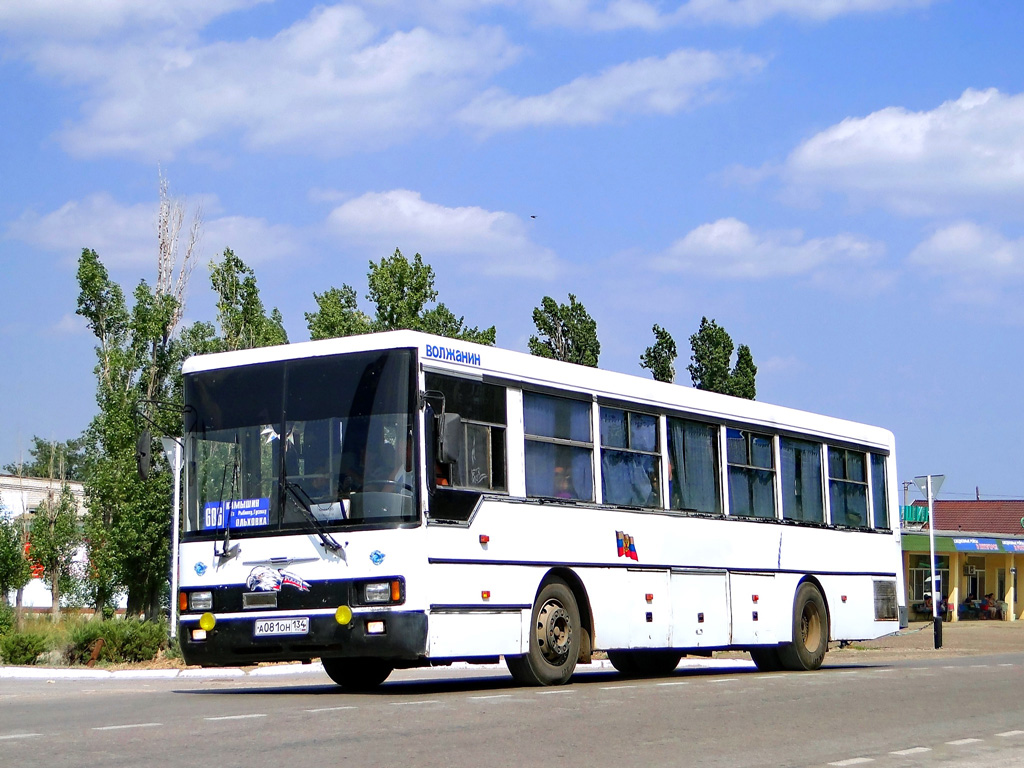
point(838, 183)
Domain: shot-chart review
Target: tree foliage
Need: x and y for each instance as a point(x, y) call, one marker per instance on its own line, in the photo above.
point(46, 454)
point(659, 358)
point(54, 535)
point(337, 315)
point(241, 316)
point(565, 332)
point(139, 360)
point(15, 570)
point(400, 291)
point(712, 349)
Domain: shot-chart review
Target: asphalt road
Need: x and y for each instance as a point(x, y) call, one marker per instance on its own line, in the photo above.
point(948, 712)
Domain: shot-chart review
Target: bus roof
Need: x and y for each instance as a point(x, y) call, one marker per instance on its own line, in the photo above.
point(476, 360)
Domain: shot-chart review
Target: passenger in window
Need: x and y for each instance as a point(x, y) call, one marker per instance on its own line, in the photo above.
point(563, 484)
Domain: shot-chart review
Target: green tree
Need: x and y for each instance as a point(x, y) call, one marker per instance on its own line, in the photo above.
point(55, 536)
point(710, 370)
point(659, 358)
point(566, 332)
point(337, 315)
point(400, 291)
point(241, 316)
point(47, 453)
point(139, 359)
point(15, 569)
point(742, 381)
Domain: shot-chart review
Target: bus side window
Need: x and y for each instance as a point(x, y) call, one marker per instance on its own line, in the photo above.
point(482, 413)
point(559, 447)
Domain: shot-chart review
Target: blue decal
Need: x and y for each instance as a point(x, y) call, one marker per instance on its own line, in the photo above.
point(200, 569)
point(242, 513)
point(376, 557)
point(452, 355)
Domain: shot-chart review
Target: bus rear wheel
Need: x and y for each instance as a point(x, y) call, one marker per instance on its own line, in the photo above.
point(766, 659)
point(810, 631)
point(357, 674)
point(645, 663)
point(554, 638)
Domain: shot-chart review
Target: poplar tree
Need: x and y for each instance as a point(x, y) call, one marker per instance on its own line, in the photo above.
point(710, 370)
point(659, 358)
point(566, 332)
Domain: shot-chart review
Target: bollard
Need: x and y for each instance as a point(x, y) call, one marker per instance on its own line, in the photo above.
point(938, 632)
point(96, 648)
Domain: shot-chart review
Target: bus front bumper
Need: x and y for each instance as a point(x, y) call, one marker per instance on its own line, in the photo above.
point(399, 636)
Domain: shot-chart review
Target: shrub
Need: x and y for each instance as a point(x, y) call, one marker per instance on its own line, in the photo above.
point(23, 647)
point(7, 618)
point(124, 640)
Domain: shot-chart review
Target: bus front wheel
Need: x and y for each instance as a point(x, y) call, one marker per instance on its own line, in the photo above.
point(554, 638)
point(810, 631)
point(357, 674)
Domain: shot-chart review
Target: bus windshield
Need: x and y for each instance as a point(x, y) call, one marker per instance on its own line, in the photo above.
point(323, 442)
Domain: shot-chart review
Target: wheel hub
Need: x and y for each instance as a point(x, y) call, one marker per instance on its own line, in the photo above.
point(554, 632)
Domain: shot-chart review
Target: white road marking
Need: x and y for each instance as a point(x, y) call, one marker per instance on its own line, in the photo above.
point(330, 709)
point(616, 687)
point(548, 693)
point(1008, 734)
point(854, 761)
point(676, 682)
point(12, 736)
point(126, 726)
point(725, 680)
point(404, 703)
point(235, 717)
point(1007, 665)
point(911, 751)
point(494, 696)
point(962, 742)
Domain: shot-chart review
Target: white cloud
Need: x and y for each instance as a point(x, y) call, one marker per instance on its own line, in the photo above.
point(968, 250)
point(730, 249)
point(75, 19)
point(329, 84)
point(125, 235)
point(647, 86)
point(488, 242)
point(964, 153)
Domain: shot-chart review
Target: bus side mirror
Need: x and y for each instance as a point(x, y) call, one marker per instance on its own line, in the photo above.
point(143, 450)
point(450, 447)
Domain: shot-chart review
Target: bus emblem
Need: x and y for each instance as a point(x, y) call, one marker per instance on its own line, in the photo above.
point(376, 557)
point(626, 545)
point(200, 569)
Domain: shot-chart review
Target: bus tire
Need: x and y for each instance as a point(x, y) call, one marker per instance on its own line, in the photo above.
point(357, 674)
point(810, 631)
point(554, 638)
point(645, 662)
point(766, 659)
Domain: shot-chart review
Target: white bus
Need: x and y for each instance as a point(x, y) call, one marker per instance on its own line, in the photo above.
point(401, 500)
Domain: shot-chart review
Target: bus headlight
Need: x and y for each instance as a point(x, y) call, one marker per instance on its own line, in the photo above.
point(200, 601)
point(384, 592)
point(377, 592)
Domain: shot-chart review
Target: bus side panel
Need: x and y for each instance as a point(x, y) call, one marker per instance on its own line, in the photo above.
point(700, 609)
point(623, 616)
point(755, 609)
point(465, 635)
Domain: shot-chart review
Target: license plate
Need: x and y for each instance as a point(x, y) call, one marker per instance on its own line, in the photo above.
point(298, 626)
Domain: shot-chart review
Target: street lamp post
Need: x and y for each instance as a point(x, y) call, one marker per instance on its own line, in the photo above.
point(929, 485)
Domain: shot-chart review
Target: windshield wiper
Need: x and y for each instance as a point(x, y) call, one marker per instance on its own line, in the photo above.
point(305, 504)
point(226, 550)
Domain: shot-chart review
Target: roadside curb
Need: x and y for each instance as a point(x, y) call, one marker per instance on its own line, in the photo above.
point(283, 670)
